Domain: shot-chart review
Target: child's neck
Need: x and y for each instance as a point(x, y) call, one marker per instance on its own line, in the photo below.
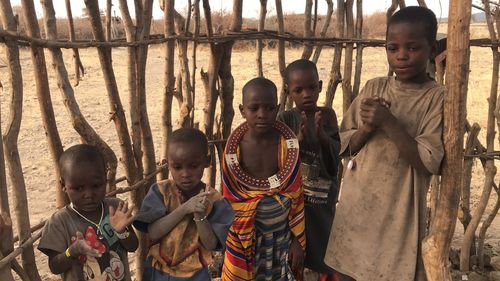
point(258, 137)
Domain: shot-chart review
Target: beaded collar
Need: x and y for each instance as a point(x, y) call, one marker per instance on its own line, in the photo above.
point(274, 181)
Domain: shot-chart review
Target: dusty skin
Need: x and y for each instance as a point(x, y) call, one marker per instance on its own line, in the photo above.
point(92, 98)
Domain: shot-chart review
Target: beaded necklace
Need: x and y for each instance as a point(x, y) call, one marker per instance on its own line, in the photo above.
point(274, 181)
point(98, 226)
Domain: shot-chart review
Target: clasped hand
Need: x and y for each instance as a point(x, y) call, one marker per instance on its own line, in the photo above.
point(198, 205)
point(375, 112)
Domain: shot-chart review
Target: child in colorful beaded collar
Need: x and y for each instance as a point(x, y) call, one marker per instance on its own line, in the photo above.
point(90, 238)
point(261, 179)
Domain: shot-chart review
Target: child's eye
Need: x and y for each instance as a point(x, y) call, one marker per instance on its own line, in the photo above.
point(297, 90)
point(253, 108)
point(391, 48)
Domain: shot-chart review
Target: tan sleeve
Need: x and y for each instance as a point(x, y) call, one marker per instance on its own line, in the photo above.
point(430, 137)
point(351, 121)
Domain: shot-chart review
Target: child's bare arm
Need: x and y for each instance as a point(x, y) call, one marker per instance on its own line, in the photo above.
point(164, 225)
point(359, 138)
point(374, 114)
point(207, 234)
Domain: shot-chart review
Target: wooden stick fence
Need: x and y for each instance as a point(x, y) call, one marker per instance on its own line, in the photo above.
point(136, 145)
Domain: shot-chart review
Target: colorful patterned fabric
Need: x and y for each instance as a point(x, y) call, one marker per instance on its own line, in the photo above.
point(267, 212)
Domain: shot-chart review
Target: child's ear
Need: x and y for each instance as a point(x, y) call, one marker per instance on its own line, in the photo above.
point(286, 89)
point(241, 110)
point(208, 160)
point(320, 85)
point(63, 186)
point(433, 53)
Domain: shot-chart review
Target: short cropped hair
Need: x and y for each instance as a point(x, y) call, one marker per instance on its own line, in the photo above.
point(300, 64)
point(191, 136)
point(260, 82)
point(417, 15)
point(78, 154)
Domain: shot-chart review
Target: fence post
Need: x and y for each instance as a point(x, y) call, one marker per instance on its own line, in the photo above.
point(436, 246)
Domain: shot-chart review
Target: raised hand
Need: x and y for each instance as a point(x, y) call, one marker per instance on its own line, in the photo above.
point(121, 217)
point(82, 247)
point(375, 112)
point(303, 127)
point(198, 205)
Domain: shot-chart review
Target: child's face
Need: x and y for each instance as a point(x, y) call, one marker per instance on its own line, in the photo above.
point(85, 185)
point(259, 108)
point(408, 51)
point(304, 88)
point(186, 162)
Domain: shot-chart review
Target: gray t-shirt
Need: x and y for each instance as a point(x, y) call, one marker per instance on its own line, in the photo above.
point(63, 225)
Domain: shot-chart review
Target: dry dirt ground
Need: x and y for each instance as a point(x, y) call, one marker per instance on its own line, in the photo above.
point(92, 98)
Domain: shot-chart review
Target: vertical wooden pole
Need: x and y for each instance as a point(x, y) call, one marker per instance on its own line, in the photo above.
point(422, 3)
point(260, 46)
point(211, 92)
point(359, 49)
point(281, 55)
point(196, 15)
point(324, 29)
point(148, 150)
point(44, 98)
point(335, 75)
point(135, 126)
point(79, 70)
point(185, 77)
point(108, 20)
point(346, 81)
point(6, 236)
point(495, 115)
point(169, 81)
point(226, 77)
point(436, 246)
point(490, 169)
point(308, 47)
point(80, 124)
point(12, 130)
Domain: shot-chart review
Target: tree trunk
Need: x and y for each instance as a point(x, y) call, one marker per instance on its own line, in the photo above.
point(5, 246)
point(436, 246)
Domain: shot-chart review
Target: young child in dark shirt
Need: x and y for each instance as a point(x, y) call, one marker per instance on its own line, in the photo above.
point(317, 131)
point(88, 239)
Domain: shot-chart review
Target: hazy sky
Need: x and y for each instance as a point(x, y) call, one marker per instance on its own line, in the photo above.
point(250, 7)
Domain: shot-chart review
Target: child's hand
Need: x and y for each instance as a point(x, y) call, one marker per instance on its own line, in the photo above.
point(296, 256)
point(303, 127)
point(198, 205)
point(82, 247)
point(121, 217)
point(374, 113)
